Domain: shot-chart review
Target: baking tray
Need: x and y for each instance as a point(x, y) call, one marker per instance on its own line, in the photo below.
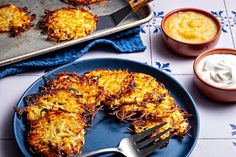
point(33, 43)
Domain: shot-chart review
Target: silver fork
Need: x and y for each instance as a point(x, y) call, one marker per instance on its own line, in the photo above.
point(136, 145)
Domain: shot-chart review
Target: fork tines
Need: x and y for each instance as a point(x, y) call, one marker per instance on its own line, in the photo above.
point(158, 145)
point(143, 144)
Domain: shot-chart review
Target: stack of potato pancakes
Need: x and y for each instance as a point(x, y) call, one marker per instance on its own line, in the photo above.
point(58, 116)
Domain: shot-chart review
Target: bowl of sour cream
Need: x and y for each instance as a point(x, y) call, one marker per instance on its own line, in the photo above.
point(190, 31)
point(215, 74)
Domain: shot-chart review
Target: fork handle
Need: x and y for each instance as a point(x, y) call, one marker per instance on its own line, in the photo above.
point(100, 152)
point(137, 4)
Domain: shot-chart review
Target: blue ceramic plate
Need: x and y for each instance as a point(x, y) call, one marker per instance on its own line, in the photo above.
point(107, 132)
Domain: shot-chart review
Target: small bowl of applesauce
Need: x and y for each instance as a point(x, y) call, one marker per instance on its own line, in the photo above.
point(215, 74)
point(190, 31)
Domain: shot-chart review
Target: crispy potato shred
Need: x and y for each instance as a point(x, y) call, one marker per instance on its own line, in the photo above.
point(68, 23)
point(57, 116)
point(83, 2)
point(14, 19)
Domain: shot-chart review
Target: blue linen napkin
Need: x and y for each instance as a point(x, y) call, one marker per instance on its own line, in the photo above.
point(124, 42)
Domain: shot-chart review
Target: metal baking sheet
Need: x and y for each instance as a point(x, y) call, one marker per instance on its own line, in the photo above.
point(33, 43)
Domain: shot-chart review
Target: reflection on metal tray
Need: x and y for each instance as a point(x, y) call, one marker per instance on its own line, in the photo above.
point(33, 43)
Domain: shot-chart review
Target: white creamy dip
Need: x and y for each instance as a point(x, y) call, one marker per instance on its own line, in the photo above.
point(218, 70)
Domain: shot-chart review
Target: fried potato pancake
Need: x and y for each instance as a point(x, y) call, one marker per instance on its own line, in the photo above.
point(14, 19)
point(88, 92)
point(147, 98)
point(114, 82)
point(160, 107)
point(174, 116)
point(83, 2)
point(145, 89)
point(38, 104)
point(68, 23)
point(58, 133)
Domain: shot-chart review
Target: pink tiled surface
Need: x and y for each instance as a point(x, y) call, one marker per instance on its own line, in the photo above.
point(216, 137)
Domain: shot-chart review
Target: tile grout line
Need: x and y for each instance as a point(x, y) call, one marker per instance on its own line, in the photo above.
point(229, 23)
point(181, 74)
point(217, 138)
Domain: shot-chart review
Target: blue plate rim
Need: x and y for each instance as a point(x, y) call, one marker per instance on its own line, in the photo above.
point(103, 59)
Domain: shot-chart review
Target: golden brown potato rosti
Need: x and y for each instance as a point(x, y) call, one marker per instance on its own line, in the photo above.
point(88, 92)
point(173, 115)
point(114, 82)
point(58, 133)
point(83, 2)
point(38, 104)
point(145, 89)
point(142, 88)
point(147, 99)
point(68, 23)
point(14, 19)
